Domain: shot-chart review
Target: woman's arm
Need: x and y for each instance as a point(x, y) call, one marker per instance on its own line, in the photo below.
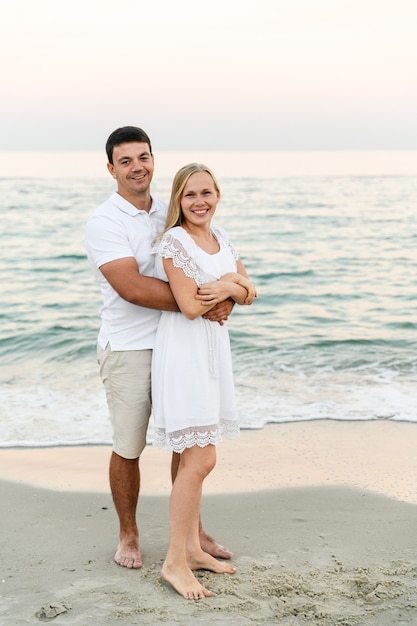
point(243, 291)
point(184, 290)
point(244, 282)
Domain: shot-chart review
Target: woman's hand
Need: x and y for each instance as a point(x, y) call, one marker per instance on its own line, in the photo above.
point(243, 281)
point(232, 285)
point(217, 291)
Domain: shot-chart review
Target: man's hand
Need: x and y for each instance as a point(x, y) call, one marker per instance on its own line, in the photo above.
point(220, 313)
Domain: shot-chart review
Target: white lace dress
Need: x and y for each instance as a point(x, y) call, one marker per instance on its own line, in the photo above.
point(192, 379)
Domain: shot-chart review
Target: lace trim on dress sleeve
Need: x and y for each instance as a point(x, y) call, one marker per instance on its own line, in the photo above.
point(171, 248)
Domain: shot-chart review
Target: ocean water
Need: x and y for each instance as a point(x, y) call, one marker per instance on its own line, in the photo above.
point(332, 334)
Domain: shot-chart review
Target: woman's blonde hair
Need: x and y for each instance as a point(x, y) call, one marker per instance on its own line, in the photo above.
point(174, 215)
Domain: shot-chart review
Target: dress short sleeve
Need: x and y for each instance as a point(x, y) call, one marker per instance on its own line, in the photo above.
point(171, 247)
point(178, 245)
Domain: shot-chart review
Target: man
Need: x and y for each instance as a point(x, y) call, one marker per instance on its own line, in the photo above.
point(118, 241)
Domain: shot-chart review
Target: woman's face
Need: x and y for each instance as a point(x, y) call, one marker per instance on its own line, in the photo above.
point(199, 199)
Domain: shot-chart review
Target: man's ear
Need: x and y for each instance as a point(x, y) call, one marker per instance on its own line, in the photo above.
point(110, 167)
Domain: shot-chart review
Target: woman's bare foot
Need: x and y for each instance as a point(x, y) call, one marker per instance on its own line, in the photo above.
point(128, 554)
point(210, 545)
point(202, 560)
point(184, 582)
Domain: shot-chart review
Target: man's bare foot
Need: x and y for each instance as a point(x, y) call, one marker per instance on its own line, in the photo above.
point(210, 545)
point(128, 554)
point(202, 560)
point(184, 582)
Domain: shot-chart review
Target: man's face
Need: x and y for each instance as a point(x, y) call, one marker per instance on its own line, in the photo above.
point(133, 167)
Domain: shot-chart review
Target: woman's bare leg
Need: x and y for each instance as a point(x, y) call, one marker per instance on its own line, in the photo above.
point(208, 543)
point(184, 550)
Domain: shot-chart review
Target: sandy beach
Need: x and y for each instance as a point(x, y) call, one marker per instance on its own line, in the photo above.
point(321, 517)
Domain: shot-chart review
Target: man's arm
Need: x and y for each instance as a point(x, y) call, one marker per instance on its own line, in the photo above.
point(125, 278)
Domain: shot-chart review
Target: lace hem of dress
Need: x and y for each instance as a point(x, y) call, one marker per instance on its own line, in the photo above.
point(201, 436)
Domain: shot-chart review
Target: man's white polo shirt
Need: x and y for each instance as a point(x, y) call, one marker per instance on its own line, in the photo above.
point(118, 230)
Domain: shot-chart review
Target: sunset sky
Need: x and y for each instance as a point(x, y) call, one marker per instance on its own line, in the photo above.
point(218, 75)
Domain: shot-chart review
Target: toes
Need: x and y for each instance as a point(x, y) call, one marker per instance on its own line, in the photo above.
point(198, 595)
point(128, 562)
point(224, 553)
point(210, 545)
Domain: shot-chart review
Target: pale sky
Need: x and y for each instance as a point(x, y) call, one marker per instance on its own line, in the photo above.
point(217, 75)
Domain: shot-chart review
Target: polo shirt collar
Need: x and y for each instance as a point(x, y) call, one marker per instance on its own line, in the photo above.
point(127, 207)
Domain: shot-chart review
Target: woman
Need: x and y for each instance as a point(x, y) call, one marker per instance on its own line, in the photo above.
point(192, 379)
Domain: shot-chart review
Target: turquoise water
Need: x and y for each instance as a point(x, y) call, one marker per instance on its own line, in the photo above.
point(331, 335)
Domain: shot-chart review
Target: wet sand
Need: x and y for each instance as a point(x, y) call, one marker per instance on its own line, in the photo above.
point(321, 517)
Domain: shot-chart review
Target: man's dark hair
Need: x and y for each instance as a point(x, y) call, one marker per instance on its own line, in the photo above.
point(126, 134)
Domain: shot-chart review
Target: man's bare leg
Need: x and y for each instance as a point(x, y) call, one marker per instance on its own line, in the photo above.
point(125, 484)
point(208, 544)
